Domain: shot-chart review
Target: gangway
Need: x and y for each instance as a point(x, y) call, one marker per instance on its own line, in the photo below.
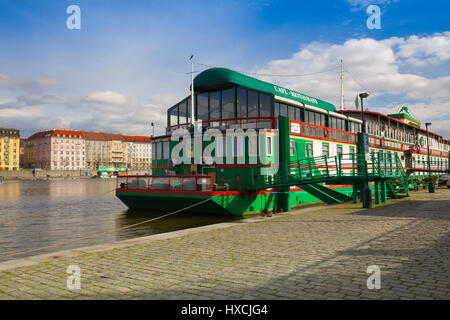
point(382, 169)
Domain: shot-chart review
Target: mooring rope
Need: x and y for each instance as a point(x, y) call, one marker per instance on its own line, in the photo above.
point(95, 235)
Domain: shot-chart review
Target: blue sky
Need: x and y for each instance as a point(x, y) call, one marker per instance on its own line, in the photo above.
point(133, 55)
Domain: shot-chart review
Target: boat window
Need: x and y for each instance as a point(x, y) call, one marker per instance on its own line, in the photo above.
point(297, 114)
point(189, 101)
point(166, 150)
point(283, 109)
point(339, 150)
point(153, 151)
point(252, 143)
point(252, 104)
point(265, 105)
point(277, 109)
point(241, 103)
point(228, 104)
point(173, 116)
point(309, 150)
point(325, 149)
point(202, 107)
point(214, 105)
point(182, 113)
point(269, 145)
point(291, 112)
point(292, 147)
point(158, 151)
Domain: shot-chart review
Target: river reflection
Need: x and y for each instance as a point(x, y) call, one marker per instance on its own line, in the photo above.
point(35, 214)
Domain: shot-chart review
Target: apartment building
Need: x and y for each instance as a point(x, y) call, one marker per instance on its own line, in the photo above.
point(105, 150)
point(55, 150)
point(139, 152)
point(9, 149)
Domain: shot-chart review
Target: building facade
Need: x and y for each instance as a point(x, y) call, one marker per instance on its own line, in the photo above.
point(9, 149)
point(80, 150)
point(105, 150)
point(55, 150)
point(139, 153)
point(96, 150)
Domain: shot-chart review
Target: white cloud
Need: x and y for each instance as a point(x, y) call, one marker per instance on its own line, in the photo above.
point(359, 4)
point(106, 98)
point(376, 65)
point(32, 85)
point(432, 49)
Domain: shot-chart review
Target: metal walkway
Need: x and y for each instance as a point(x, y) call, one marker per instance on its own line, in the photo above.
point(345, 169)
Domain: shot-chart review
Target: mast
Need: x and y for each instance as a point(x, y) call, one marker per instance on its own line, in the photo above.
point(342, 86)
point(192, 90)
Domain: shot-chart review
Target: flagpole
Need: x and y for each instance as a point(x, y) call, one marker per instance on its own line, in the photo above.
point(192, 91)
point(342, 86)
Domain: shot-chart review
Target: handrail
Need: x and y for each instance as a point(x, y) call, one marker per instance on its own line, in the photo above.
point(227, 122)
point(379, 165)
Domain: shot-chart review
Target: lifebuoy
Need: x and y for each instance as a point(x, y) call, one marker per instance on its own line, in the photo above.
point(325, 131)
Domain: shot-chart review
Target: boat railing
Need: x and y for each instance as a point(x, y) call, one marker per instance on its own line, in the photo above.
point(315, 131)
point(165, 182)
point(232, 123)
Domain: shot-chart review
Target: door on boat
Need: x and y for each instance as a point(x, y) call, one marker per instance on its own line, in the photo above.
point(408, 159)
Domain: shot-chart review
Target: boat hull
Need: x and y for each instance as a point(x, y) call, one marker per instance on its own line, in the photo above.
point(222, 203)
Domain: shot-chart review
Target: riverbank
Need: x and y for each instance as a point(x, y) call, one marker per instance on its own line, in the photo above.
point(42, 174)
point(315, 253)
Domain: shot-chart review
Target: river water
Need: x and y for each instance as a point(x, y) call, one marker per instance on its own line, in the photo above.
point(34, 214)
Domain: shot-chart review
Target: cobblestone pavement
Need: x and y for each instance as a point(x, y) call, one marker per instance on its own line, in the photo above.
point(317, 253)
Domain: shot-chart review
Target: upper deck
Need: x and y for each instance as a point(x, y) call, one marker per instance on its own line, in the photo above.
point(227, 99)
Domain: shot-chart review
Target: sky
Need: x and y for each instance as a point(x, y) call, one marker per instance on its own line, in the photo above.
point(129, 61)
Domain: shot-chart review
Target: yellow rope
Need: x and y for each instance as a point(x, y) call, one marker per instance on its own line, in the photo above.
point(101, 233)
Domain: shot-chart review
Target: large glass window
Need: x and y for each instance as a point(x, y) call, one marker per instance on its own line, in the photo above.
point(265, 105)
point(166, 150)
point(291, 112)
point(228, 104)
point(173, 116)
point(323, 120)
point(214, 105)
point(202, 106)
point(241, 102)
point(253, 104)
point(309, 116)
point(182, 112)
point(188, 110)
point(158, 150)
point(283, 109)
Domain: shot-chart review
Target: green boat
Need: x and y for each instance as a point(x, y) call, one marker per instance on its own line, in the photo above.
point(256, 147)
